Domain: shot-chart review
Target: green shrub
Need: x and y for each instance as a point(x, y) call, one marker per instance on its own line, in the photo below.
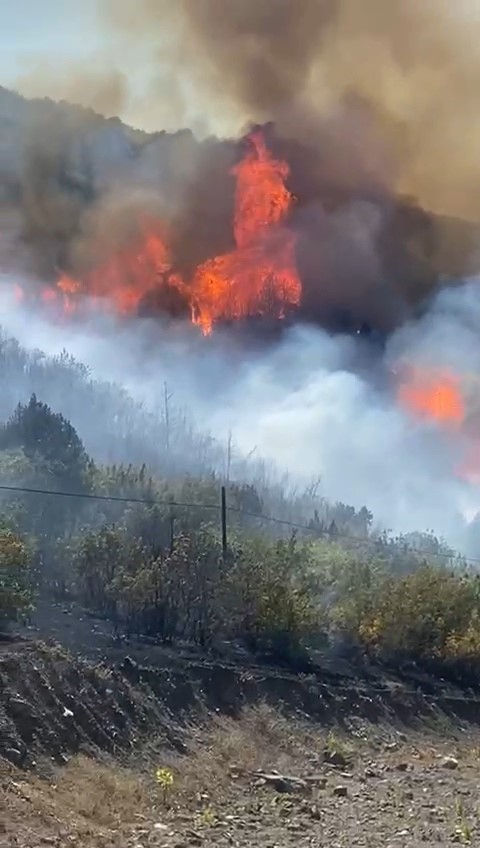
point(430, 614)
point(271, 602)
point(15, 583)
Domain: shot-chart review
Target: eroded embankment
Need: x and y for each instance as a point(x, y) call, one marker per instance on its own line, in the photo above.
point(53, 704)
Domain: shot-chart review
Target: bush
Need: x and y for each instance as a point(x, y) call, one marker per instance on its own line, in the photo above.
point(271, 605)
point(15, 583)
point(43, 433)
point(187, 590)
point(431, 614)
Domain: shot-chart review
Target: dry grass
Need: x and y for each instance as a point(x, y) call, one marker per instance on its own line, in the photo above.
point(262, 739)
point(95, 800)
point(86, 802)
point(91, 804)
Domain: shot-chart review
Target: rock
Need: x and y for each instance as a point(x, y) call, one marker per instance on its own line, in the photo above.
point(194, 838)
point(449, 763)
point(13, 755)
point(340, 791)
point(334, 758)
point(370, 771)
point(295, 825)
point(283, 782)
point(19, 708)
point(318, 780)
point(402, 766)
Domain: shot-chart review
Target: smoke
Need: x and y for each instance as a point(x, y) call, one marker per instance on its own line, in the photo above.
point(383, 93)
point(308, 64)
point(104, 90)
point(317, 406)
point(371, 104)
point(74, 187)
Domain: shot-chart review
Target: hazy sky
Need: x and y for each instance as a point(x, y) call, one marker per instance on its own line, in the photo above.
point(33, 29)
point(63, 49)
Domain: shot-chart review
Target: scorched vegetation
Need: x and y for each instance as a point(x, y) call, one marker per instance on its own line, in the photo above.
point(152, 560)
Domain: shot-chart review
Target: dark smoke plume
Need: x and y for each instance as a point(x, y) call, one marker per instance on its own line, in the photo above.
point(298, 62)
point(371, 104)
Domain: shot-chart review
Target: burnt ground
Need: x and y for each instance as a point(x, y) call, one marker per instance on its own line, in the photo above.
point(379, 758)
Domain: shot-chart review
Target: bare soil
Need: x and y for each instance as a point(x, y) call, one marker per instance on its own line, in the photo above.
point(250, 755)
point(390, 790)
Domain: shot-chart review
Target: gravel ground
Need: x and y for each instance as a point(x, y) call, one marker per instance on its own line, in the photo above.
point(374, 787)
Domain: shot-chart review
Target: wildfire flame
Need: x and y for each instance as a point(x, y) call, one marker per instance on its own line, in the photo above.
point(125, 277)
point(441, 396)
point(432, 395)
point(258, 277)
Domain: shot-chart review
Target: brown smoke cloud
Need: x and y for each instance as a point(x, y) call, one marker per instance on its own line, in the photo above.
point(414, 66)
point(104, 90)
point(366, 101)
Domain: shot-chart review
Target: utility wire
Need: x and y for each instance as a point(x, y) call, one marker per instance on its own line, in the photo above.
point(114, 498)
point(237, 510)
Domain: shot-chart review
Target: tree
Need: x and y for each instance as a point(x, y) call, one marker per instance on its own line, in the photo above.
point(271, 606)
point(41, 449)
point(15, 583)
point(48, 435)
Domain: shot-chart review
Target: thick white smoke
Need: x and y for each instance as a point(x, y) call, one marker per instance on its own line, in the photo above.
point(319, 407)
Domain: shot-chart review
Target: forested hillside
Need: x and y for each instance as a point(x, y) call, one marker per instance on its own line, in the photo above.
point(141, 544)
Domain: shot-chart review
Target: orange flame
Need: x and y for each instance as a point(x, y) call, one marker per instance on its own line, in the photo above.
point(126, 276)
point(260, 276)
point(262, 200)
point(432, 395)
point(442, 396)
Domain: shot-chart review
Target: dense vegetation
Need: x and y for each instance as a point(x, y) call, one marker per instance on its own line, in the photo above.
point(151, 560)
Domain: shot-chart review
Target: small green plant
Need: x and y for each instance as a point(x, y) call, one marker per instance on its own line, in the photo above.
point(463, 830)
point(16, 589)
point(164, 778)
point(207, 817)
point(464, 833)
point(336, 744)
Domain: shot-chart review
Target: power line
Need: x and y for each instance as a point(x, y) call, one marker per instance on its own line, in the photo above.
point(357, 539)
point(237, 510)
point(114, 498)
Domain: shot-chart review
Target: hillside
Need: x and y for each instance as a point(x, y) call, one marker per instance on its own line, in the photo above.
point(158, 691)
point(193, 649)
point(192, 752)
point(63, 167)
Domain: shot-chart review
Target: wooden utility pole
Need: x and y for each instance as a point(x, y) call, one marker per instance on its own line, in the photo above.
point(224, 522)
point(229, 455)
point(166, 399)
point(172, 528)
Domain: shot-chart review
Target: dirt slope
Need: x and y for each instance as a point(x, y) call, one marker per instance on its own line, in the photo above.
point(257, 756)
point(374, 786)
